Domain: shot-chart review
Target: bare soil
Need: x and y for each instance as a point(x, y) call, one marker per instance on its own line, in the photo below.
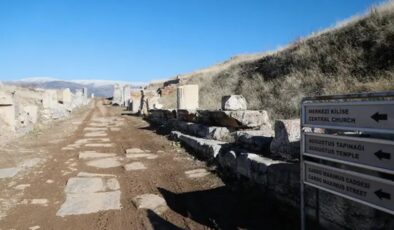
point(31, 199)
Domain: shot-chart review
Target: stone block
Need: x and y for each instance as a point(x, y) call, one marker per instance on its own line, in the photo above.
point(207, 149)
point(85, 93)
point(126, 96)
point(254, 140)
point(208, 132)
point(286, 142)
point(234, 103)
point(284, 181)
point(235, 119)
point(254, 167)
point(117, 97)
point(7, 112)
point(64, 96)
point(227, 159)
point(28, 116)
point(6, 99)
point(188, 97)
point(135, 100)
point(161, 116)
point(49, 99)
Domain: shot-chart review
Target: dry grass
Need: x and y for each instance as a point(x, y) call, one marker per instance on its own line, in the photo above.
point(355, 56)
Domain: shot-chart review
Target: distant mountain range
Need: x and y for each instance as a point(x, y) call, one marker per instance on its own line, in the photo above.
point(100, 88)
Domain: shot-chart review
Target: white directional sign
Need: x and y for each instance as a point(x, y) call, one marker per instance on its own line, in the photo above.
point(372, 191)
point(364, 152)
point(351, 116)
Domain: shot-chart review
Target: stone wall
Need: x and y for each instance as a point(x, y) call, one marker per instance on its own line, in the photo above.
point(254, 155)
point(7, 113)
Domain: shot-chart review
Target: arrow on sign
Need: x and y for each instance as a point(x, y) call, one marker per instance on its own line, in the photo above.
point(383, 155)
point(379, 117)
point(382, 195)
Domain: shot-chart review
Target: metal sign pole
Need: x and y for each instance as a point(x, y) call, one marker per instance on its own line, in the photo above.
point(302, 179)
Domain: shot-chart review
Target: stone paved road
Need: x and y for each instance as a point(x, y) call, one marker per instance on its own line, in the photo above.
point(101, 170)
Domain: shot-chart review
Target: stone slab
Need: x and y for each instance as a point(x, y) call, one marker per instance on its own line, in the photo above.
point(91, 154)
point(77, 204)
point(8, 172)
point(104, 163)
point(134, 166)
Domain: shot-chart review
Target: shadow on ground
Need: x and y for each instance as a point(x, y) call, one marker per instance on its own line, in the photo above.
point(158, 223)
point(221, 208)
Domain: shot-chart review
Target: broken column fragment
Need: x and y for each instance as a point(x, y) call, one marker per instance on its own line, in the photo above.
point(126, 96)
point(135, 100)
point(117, 95)
point(187, 97)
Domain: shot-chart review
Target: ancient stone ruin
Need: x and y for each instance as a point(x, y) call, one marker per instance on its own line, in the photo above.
point(249, 148)
point(187, 97)
point(7, 112)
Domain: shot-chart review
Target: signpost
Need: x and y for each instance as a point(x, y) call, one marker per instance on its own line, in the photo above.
point(367, 153)
point(363, 116)
point(368, 112)
point(372, 191)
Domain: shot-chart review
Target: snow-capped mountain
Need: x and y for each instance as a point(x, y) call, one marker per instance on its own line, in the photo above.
point(38, 79)
point(100, 88)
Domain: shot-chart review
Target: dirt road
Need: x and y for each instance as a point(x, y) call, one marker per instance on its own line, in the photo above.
point(101, 170)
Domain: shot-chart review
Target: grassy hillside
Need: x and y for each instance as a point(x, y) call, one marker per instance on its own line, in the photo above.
point(356, 56)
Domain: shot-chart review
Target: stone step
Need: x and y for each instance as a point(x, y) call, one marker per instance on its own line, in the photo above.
point(279, 176)
point(203, 131)
point(258, 141)
point(207, 149)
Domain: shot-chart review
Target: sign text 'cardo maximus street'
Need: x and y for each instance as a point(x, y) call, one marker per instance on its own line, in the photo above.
point(363, 115)
point(375, 192)
point(361, 151)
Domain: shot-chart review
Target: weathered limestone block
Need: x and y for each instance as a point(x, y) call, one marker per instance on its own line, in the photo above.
point(7, 112)
point(64, 96)
point(286, 142)
point(6, 99)
point(135, 100)
point(126, 96)
point(28, 116)
point(85, 93)
point(117, 97)
point(255, 140)
point(148, 99)
point(250, 165)
point(187, 97)
point(234, 103)
point(207, 149)
point(255, 167)
point(208, 132)
point(49, 99)
point(235, 119)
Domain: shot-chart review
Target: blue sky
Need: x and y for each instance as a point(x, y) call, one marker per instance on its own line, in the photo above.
point(146, 40)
